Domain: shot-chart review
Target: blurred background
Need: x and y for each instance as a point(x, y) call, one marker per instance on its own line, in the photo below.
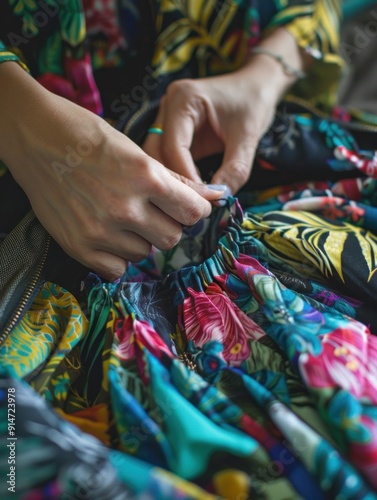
point(358, 47)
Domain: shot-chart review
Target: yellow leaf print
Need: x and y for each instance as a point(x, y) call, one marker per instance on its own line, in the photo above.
point(201, 26)
point(334, 247)
point(303, 237)
point(50, 329)
point(367, 244)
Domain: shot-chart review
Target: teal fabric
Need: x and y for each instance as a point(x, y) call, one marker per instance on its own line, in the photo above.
point(353, 7)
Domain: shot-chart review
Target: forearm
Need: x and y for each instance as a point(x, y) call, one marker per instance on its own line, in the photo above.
point(269, 72)
point(22, 101)
point(35, 122)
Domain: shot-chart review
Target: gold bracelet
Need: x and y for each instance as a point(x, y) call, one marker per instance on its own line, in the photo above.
point(288, 69)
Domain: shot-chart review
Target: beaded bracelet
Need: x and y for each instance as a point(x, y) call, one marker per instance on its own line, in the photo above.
point(288, 69)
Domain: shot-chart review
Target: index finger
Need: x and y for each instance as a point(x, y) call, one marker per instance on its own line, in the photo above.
point(179, 129)
point(238, 159)
point(179, 200)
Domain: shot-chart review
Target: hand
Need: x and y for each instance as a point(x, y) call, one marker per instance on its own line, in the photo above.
point(208, 116)
point(99, 195)
point(223, 114)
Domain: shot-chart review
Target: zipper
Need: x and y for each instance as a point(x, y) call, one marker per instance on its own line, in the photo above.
point(147, 106)
point(31, 288)
point(321, 114)
point(187, 360)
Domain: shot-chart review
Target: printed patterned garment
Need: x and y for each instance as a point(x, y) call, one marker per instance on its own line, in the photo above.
point(135, 41)
point(214, 379)
point(242, 363)
point(48, 37)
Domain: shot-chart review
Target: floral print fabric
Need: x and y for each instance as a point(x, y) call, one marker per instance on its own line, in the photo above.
point(218, 373)
point(210, 36)
point(241, 364)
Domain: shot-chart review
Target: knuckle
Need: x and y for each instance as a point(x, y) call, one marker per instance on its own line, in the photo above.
point(238, 170)
point(149, 179)
point(155, 181)
point(108, 271)
point(114, 272)
point(180, 87)
point(93, 234)
point(120, 213)
point(171, 241)
point(142, 164)
point(142, 252)
point(193, 215)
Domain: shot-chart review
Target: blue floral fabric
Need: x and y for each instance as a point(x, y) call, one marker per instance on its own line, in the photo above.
point(241, 364)
point(215, 378)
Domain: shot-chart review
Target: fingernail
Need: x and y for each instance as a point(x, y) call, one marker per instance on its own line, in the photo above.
point(217, 187)
point(228, 192)
point(221, 187)
point(221, 202)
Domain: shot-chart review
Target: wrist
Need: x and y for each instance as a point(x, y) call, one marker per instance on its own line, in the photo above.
point(263, 78)
point(289, 70)
point(276, 64)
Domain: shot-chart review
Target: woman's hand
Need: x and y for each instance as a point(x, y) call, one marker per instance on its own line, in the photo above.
point(223, 114)
point(203, 117)
point(99, 195)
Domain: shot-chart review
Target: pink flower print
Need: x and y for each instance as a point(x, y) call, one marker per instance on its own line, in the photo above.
point(213, 316)
point(57, 85)
point(126, 338)
point(134, 335)
point(348, 188)
point(79, 72)
point(348, 360)
point(101, 17)
point(364, 452)
point(77, 85)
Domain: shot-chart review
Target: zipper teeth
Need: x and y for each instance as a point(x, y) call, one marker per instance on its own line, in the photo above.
point(135, 117)
point(187, 360)
point(28, 293)
point(306, 105)
point(322, 114)
point(292, 99)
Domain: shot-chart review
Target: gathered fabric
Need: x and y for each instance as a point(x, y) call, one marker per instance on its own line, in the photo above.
point(242, 363)
point(239, 374)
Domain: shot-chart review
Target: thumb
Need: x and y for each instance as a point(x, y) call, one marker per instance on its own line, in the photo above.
point(209, 192)
point(238, 159)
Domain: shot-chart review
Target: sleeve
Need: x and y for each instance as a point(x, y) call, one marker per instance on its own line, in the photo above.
point(9, 55)
point(316, 26)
